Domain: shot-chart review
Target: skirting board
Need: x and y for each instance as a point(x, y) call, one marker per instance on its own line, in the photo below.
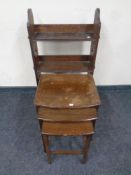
point(33, 88)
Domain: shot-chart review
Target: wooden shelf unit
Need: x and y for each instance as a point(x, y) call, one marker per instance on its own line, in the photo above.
point(63, 32)
point(66, 101)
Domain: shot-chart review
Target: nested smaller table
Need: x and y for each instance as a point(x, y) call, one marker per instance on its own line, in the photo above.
point(67, 106)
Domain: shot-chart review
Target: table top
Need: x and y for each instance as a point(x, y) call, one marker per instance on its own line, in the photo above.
point(66, 91)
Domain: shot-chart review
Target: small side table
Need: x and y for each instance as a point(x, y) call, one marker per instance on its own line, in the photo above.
point(67, 105)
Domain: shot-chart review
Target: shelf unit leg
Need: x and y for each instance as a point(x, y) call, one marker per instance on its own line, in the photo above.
point(46, 144)
point(86, 140)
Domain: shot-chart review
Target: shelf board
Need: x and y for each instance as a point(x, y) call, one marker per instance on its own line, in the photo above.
point(80, 36)
point(63, 66)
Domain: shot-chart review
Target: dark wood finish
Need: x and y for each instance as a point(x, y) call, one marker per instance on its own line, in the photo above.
point(75, 32)
point(66, 115)
point(50, 58)
point(66, 101)
point(67, 152)
point(46, 144)
point(33, 44)
point(64, 64)
point(61, 119)
point(86, 141)
point(66, 91)
point(94, 42)
point(63, 36)
point(63, 28)
point(63, 32)
point(40, 123)
point(68, 128)
point(62, 67)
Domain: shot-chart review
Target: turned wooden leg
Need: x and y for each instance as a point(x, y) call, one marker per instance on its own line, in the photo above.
point(86, 140)
point(46, 144)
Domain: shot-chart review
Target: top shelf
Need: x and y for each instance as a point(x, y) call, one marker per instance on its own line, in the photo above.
point(63, 32)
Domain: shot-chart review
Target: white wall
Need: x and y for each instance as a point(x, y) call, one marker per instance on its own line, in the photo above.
point(113, 64)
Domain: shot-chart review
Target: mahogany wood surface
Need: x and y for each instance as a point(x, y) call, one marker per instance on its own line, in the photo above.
point(66, 91)
point(49, 36)
point(64, 64)
point(62, 67)
point(63, 28)
point(67, 129)
point(50, 58)
point(66, 101)
point(63, 32)
point(66, 115)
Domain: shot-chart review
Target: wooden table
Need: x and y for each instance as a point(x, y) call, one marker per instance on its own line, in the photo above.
point(67, 105)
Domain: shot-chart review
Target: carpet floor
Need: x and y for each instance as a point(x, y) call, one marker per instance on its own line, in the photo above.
point(21, 149)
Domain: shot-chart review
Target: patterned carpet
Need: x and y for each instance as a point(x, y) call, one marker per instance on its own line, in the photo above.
point(21, 149)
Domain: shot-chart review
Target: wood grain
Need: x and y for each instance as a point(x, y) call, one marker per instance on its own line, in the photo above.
point(66, 115)
point(66, 91)
point(67, 129)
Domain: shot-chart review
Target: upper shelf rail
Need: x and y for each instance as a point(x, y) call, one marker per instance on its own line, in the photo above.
point(40, 32)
